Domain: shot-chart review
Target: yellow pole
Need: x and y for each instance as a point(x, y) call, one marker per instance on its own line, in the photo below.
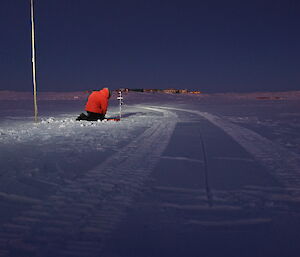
point(33, 65)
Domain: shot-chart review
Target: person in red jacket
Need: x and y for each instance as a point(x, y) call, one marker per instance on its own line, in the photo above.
point(96, 106)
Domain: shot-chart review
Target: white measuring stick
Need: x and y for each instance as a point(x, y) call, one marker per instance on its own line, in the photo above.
point(120, 98)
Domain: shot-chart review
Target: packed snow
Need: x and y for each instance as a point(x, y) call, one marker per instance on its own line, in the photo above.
point(176, 170)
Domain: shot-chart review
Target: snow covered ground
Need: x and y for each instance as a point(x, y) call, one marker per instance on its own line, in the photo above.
point(179, 175)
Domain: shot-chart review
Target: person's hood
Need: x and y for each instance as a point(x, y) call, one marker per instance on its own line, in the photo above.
point(105, 92)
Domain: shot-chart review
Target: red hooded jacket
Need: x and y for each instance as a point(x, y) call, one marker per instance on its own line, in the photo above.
point(98, 101)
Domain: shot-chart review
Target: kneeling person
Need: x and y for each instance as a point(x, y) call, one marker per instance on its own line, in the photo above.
point(96, 106)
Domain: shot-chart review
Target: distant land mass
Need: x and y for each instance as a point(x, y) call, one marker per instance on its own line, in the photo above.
point(82, 95)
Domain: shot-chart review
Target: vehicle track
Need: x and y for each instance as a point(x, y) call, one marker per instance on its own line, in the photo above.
point(256, 205)
point(282, 163)
point(78, 219)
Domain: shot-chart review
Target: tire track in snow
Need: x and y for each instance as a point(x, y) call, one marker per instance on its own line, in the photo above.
point(234, 209)
point(78, 219)
point(282, 163)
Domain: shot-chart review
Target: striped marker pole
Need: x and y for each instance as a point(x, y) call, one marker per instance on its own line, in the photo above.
point(120, 98)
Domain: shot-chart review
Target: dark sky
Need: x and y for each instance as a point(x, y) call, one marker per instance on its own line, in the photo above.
point(211, 45)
